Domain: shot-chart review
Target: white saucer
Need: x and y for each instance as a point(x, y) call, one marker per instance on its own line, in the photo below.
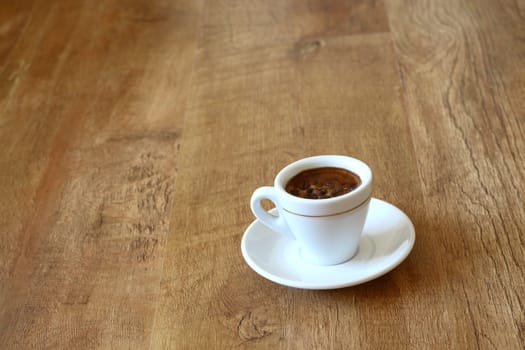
point(388, 238)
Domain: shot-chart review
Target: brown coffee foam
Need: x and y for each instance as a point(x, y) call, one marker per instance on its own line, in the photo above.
point(322, 183)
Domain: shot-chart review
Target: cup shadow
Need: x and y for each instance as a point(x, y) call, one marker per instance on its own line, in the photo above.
point(417, 274)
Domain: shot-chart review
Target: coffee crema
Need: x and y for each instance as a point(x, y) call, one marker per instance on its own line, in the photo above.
point(322, 183)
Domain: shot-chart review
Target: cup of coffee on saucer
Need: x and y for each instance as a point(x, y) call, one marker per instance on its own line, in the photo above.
point(326, 231)
point(322, 203)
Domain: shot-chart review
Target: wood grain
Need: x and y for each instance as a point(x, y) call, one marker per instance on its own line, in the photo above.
point(133, 134)
point(93, 103)
point(264, 94)
point(462, 74)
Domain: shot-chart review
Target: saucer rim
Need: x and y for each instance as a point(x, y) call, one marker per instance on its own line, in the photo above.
point(308, 285)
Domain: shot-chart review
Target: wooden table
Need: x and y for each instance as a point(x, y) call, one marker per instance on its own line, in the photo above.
point(132, 134)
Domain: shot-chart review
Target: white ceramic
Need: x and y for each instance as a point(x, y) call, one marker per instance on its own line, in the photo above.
point(387, 239)
point(328, 230)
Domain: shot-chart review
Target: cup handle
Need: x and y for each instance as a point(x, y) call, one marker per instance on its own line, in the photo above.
point(276, 223)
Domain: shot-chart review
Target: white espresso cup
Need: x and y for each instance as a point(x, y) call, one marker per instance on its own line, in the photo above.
point(327, 230)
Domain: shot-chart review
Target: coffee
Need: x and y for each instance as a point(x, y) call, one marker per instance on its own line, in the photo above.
point(322, 183)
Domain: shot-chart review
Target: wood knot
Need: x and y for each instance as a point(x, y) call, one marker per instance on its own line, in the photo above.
point(306, 47)
point(251, 327)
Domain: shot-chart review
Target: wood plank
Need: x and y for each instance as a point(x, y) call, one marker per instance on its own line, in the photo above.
point(92, 106)
point(461, 65)
point(274, 84)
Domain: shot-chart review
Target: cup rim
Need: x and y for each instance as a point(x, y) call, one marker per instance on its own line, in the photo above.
point(324, 206)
